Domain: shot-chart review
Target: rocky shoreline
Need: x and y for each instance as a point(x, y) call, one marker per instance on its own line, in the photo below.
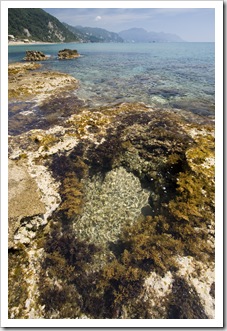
point(111, 210)
point(27, 83)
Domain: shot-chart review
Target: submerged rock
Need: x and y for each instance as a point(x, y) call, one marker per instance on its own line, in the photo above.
point(116, 199)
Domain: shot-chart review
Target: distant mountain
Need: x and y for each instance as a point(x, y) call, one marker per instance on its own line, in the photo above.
point(141, 35)
point(36, 24)
point(80, 35)
point(87, 34)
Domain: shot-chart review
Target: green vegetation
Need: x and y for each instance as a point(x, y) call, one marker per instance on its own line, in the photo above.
point(36, 24)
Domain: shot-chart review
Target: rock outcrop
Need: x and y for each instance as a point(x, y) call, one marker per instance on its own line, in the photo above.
point(25, 209)
point(68, 54)
point(35, 56)
point(27, 83)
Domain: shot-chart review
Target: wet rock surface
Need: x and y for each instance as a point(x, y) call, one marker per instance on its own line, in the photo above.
point(128, 227)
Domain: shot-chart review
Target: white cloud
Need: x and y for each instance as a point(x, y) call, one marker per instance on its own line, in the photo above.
point(98, 18)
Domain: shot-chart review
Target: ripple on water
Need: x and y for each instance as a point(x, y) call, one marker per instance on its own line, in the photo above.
point(175, 74)
point(25, 116)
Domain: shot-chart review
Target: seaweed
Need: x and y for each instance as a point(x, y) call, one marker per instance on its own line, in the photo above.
point(18, 262)
point(72, 196)
point(184, 302)
point(64, 273)
point(178, 171)
point(101, 158)
point(120, 285)
point(150, 246)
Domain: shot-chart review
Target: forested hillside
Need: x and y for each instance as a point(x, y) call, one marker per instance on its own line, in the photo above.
point(36, 24)
point(88, 34)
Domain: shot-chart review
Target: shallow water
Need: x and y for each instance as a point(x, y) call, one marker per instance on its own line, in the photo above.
point(118, 225)
point(166, 75)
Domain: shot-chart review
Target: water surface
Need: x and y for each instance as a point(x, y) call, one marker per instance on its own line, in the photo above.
point(166, 75)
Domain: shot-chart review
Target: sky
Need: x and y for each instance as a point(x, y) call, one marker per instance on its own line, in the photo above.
point(191, 24)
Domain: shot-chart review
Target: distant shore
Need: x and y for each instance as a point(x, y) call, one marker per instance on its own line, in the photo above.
point(19, 43)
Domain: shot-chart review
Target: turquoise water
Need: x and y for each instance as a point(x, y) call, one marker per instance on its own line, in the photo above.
point(167, 75)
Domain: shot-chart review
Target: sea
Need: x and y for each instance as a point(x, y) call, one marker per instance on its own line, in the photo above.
point(166, 75)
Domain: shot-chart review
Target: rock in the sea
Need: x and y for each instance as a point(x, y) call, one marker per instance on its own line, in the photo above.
point(35, 56)
point(67, 54)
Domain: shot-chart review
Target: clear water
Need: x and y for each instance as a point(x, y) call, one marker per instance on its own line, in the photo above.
point(171, 75)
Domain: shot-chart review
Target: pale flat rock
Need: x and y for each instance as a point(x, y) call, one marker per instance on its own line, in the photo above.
point(24, 198)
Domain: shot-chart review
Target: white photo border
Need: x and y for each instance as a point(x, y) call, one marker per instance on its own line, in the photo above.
point(218, 320)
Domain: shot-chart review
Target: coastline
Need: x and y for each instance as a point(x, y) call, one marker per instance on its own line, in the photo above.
point(20, 43)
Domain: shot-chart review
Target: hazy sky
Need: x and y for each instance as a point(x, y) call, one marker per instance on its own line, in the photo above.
point(190, 24)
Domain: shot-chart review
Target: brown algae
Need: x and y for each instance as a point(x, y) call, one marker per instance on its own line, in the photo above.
point(135, 196)
point(127, 244)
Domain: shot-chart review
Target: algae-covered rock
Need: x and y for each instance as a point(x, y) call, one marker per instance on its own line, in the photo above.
point(19, 68)
point(139, 153)
point(35, 56)
point(25, 83)
point(128, 227)
point(67, 54)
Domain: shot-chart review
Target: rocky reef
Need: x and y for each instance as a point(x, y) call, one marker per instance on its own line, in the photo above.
point(67, 54)
point(35, 56)
point(119, 221)
point(27, 82)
